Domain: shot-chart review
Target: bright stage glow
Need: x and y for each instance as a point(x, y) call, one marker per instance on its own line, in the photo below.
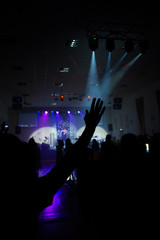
point(99, 134)
point(45, 135)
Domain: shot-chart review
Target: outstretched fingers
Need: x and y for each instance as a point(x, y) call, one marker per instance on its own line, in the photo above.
point(93, 116)
point(99, 105)
point(92, 105)
point(101, 113)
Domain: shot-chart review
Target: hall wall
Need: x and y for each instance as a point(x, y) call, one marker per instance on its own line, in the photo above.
point(123, 121)
point(126, 119)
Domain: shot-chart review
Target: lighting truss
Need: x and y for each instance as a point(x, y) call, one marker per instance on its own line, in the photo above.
point(117, 31)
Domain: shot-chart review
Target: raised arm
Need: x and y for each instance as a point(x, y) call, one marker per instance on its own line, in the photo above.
point(53, 181)
point(92, 118)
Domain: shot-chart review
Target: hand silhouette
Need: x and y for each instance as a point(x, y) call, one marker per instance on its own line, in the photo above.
point(93, 117)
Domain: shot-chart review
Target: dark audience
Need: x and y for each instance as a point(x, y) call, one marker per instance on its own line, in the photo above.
point(59, 151)
point(68, 145)
point(108, 149)
point(95, 150)
point(119, 195)
point(22, 189)
point(36, 152)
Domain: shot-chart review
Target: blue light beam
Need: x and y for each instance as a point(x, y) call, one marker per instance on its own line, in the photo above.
point(111, 79)
point(121, 73)
point(106, 81)
point(92, 88)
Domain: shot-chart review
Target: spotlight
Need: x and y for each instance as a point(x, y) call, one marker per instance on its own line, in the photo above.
point(69, 112)
point(110, 46)
point(89, 97)
point(79, 111)
point(143, 46)
point(93, 43)
point(57, 112)
point(46, 112)
point(62, 97)
point(128, 46)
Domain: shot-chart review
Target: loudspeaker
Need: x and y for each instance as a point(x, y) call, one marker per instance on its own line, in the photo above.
point(117, 106)
point(16, 99)
point(117, 103)
point(16, 102)
point(110, 127)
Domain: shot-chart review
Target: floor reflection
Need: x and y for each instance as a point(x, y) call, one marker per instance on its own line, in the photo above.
point(59, 208)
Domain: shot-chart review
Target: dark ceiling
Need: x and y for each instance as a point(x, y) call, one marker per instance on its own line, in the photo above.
point(33, 49)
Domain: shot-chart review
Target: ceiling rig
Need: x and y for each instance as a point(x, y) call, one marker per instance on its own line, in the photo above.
point(117, 31)
point(68, 96)
point(129, 33)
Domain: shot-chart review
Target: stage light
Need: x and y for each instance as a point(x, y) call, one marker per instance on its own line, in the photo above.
point(89, 97)
point(110, 46)
point(143, 46)
point(57, 112)
point(79, 111)
point(69, 112)
point(46, 112)
point(63, 70)
point(93, 43)
point(61, 97)
point(128, 46)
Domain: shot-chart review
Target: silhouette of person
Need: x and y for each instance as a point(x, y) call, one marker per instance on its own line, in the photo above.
point(30, 194)
point(36, 151)
point(59, 151)
point(95, 151)
point(4, 128)
point(68, 145)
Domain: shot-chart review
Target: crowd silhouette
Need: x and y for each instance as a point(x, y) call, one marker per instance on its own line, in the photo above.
point(118, 184)
point(118, 192)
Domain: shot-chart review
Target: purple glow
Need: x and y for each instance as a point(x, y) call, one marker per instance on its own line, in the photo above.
point(69, 112)
point(57, 112)
point(38, 114)
point(46, 112)
point(57, 209)
point(79, 111)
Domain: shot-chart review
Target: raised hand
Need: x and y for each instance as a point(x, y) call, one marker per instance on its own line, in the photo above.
point(93, 117)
